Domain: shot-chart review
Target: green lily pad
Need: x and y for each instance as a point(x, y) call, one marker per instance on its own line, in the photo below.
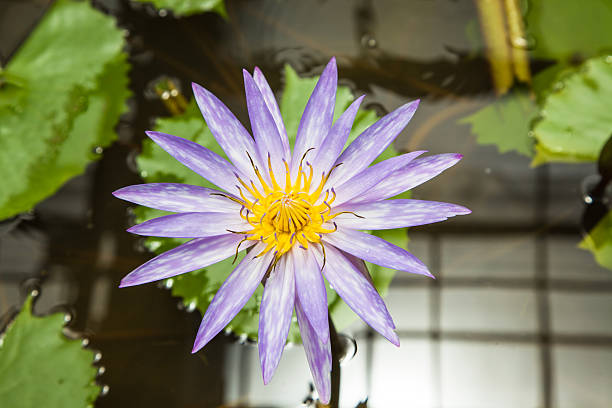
point(563, 29)
point(576, 119)
point(59, 100)
point(189, 7)
point(41, 367)
point(599, 242)
point(506, 123)
point(196, 289)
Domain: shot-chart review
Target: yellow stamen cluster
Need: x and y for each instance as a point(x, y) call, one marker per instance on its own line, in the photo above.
point(282, 217)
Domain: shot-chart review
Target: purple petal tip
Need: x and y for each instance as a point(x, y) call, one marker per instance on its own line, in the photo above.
point(414, 105)
point(125, 283)
point(331, 65)
point(197, 345)
point(155, 136)
point(266, 378)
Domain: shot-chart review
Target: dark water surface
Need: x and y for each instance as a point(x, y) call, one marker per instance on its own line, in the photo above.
point(518, 317)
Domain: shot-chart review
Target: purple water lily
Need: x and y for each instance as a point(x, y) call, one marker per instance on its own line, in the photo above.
point(300, 213)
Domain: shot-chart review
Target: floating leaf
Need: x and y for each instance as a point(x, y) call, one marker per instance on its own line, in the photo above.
point(543, 82)
point(59, 100)
point(562, 29)
point(505, 123)
point(189, 7)
point(198, 288)
point(576, 119)
point(599, 242)
point(41, 367)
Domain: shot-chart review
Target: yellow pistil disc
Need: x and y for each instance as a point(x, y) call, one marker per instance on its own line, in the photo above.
point(283, 217)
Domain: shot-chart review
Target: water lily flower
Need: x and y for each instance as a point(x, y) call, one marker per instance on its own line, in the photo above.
point(300, 213)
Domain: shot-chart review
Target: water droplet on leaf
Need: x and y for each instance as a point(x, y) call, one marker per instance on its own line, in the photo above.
point(349, 348)
point(558, 86)
point(368, 41)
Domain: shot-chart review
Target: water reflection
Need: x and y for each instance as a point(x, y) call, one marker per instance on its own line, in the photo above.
point(517, 317)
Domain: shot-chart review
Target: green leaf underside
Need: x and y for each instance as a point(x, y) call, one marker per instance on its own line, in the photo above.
point(599, 242)
point(41, 367)
point(576, 119)
point(189, 7)
point(562, 29)
point(66, 101)
point(198, 288)
point(505, 123)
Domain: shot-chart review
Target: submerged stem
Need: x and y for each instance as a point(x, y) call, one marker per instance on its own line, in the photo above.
point(337, 352)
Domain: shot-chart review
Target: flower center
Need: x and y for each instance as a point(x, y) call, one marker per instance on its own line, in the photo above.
point(282, 217)
point(290, 212)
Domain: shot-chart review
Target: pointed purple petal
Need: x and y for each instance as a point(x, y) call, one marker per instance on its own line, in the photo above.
point(268, 140)
point(228, 131)
point(318, 115)
point(191, 225)
point(376, 250)
point(233, 295)
point(414, 174)
point(358, 293)
point(275, 317)
point(268, 96)
point(177, 197)
point(195, 254)
point(400, 213)
point(359, 264)
point(371, 176)
point(372, 142)
point(310, 289)
point(318, 354)
point(206, 163)
point(336, 139)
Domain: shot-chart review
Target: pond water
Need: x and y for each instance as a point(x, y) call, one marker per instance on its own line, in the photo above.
point(518, 316)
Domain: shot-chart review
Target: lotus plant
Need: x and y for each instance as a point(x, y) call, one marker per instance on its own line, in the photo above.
point(299, 212)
